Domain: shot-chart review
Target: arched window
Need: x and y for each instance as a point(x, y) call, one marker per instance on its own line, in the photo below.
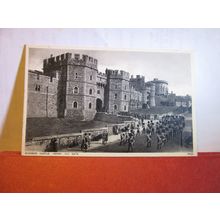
point(115, 107)
point(116, 95)
point(76, 75)
point(76, 90)
point(90, 91)
point(125, 107)
point(37, 88)
point(75, 105)
point(125, 97)
point(90, 77)
point(90, 105)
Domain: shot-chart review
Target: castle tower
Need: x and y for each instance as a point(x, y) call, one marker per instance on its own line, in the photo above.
point(161, 87)
point(57, 67)
point(118, 91)
point(138, 83)
point(76, 93)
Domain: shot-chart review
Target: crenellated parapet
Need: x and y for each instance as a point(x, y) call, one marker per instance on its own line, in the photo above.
point(55, 62)
point(117, 74)
point(84, 60)
point(155, 80)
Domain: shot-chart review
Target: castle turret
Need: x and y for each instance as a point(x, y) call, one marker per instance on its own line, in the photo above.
point(161, 87)
point(118, 91)
point(77, 88)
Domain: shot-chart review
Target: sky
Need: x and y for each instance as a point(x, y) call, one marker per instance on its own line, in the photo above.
point(174, 67)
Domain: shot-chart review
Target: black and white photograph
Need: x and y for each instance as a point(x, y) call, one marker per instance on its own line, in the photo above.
point(102, 102)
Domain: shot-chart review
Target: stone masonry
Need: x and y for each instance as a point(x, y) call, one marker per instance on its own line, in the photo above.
point(71, 86)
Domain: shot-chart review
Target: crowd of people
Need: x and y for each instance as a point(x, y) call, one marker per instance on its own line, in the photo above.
point(163, 130)
point(87, 138)
point(82, 141)
point(169, 127)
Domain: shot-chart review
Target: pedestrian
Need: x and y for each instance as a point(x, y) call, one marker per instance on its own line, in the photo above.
point(84, 145)
point(52, 146)
point(122, 137)
point(149, 139)
point(104, 137)
point(131, 141)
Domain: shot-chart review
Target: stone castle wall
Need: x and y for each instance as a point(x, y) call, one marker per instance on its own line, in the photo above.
point(71, 86)
point(42, 95)
point(81, 89)
point(118, 91)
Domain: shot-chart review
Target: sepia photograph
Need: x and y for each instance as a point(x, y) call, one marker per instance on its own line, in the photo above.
point(101, 102)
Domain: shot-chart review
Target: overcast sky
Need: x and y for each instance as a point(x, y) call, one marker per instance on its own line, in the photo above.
point(175, 68)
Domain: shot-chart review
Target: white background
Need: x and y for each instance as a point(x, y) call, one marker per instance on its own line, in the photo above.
point(116, 13)
point(204, 42)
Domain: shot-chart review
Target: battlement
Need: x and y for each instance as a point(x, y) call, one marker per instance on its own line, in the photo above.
point(41, 77)
point(120, 74)
point(56, 60)
point(69, 58)
point(156, 80)
point(138, 77)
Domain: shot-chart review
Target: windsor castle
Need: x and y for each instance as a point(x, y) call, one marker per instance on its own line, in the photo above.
point(70, 86)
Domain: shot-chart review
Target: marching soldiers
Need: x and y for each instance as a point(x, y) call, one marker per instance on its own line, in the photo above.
point(131, 141)
point(85, 143)
point(105, 137)
point(52, 146)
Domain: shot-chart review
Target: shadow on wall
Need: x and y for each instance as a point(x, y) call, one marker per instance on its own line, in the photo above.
point(11, 135)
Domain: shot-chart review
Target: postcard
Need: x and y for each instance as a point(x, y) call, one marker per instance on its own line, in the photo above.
point(108, 103)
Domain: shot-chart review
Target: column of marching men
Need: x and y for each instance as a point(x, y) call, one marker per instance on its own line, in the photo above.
point(168, 128)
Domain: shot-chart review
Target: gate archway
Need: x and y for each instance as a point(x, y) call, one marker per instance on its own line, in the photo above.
point(98, 105)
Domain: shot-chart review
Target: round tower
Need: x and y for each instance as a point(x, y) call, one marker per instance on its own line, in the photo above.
point(151, 93)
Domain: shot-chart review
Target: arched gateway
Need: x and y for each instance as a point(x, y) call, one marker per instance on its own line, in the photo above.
point(99, 106)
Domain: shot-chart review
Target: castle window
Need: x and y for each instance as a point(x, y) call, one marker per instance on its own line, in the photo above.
point(115, 107)
point(90, 105)
point(125, 97)
point(37, 88)
point(90, 77)
point(98, 91)
point(75, 105)
point(90, 91)
point(51, 79)
point(76, 90)
point(125, 107)
point(76, 75)
point(116, 95)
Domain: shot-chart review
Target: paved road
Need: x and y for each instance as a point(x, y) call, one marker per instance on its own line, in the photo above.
point(140, 143)
point(140, 146)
